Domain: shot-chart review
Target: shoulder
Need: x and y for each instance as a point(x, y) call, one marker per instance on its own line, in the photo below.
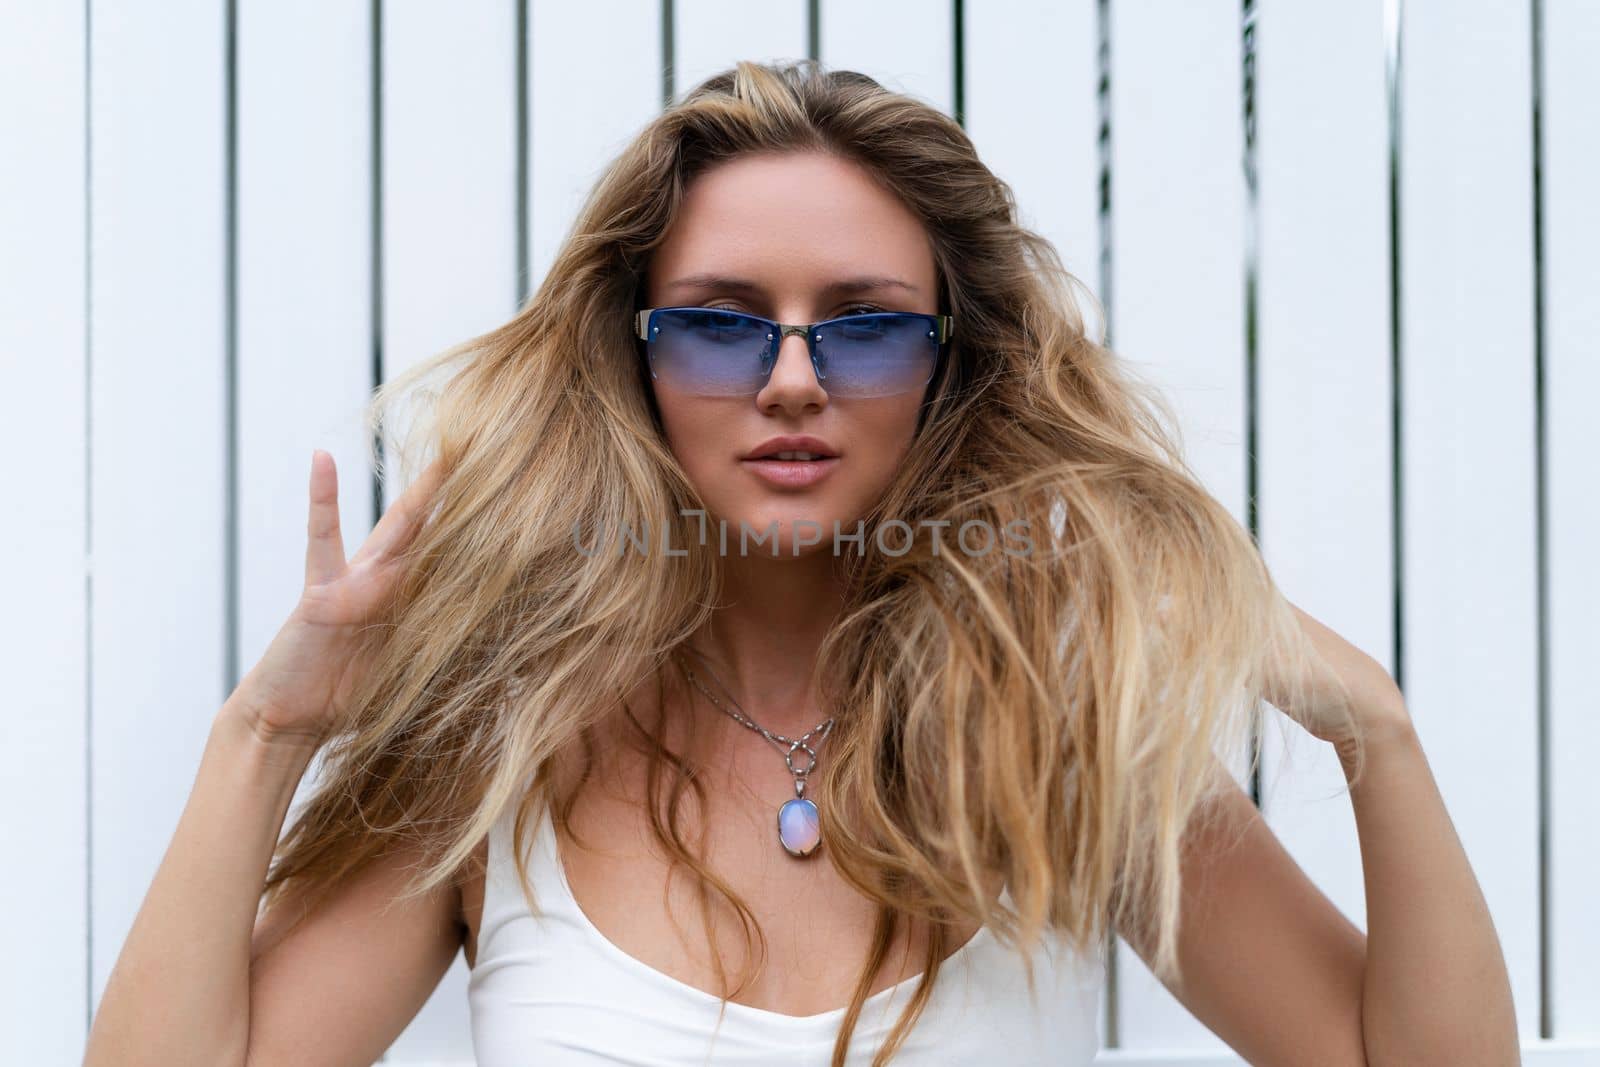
point(468, 899)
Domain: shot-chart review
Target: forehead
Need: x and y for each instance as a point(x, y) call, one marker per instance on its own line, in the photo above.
point(800, 220)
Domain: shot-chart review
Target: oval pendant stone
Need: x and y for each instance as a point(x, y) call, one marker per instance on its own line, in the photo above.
point(799, 826)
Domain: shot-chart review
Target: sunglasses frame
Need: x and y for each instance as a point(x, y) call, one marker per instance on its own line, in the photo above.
point(777, 331)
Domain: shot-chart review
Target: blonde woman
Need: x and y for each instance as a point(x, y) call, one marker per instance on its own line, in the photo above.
point(801, 644)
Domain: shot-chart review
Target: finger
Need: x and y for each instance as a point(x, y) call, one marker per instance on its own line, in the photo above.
point(404, 517)
point(401, 521)
point(324, 542)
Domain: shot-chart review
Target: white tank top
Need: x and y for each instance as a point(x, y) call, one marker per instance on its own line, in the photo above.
point(553, 991)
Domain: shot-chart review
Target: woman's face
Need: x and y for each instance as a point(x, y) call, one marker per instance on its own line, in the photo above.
point(796, 238)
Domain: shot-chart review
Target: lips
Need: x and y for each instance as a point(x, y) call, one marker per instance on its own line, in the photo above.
point(791, 473)
point(793, 448)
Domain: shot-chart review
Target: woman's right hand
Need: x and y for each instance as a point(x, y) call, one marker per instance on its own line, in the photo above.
point(298, 692)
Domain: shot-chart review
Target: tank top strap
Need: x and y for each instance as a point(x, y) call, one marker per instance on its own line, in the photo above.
point(500, 889)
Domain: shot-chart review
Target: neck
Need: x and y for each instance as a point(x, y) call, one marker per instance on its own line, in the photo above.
point(763, 639)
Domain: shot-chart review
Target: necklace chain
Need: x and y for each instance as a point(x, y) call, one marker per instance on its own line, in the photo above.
point(787, 745)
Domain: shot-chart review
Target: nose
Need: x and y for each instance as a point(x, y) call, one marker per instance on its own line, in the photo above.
point(793, 384)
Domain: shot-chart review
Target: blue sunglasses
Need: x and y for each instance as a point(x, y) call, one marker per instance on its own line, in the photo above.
point(717, 352)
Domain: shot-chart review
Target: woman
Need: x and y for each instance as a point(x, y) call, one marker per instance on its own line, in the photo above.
point(858, 678)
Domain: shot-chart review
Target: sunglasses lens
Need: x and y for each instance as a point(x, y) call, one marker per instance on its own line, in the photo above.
point(880, 354)
point(709, 353)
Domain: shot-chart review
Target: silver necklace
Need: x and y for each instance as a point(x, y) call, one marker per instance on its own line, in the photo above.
point(799, 824)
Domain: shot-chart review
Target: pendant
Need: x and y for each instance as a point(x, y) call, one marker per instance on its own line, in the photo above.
point(799, 826)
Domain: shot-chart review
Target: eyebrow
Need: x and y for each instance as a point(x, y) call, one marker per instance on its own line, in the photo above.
point(728, 283)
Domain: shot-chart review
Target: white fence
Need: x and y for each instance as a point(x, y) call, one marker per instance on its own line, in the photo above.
point(1366, 273)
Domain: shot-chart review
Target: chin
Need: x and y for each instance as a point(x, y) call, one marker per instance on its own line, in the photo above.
point(813, 528)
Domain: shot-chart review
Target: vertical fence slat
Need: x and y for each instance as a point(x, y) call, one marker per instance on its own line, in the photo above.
point(303, 267)
point(906, 45)
point(1468, 571)
point(711, 35)
point(43, 627)
point(1012, 80)
point(1571, 227)
point(568, 145)
point(1177, 300)
point(158, 436)
point(449, 259)
point(303, 163)
point(1325, 396)
point(1015, 81)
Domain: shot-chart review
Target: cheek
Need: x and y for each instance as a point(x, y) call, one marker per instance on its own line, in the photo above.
point(880, 440)
point(697, 433)
point(883, 431)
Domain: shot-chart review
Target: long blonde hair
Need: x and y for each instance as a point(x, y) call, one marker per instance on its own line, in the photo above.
point(1057, 716)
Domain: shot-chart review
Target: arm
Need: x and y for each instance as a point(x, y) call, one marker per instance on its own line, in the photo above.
point(178, 992)
point(1267, 962)
point(190, 988)
point(1274, 969)
point(1435, 989)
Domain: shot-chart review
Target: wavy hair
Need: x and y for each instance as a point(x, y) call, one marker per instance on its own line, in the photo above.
point(1056, 717)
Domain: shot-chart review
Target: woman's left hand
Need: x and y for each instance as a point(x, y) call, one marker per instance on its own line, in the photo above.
point(1375, 700)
